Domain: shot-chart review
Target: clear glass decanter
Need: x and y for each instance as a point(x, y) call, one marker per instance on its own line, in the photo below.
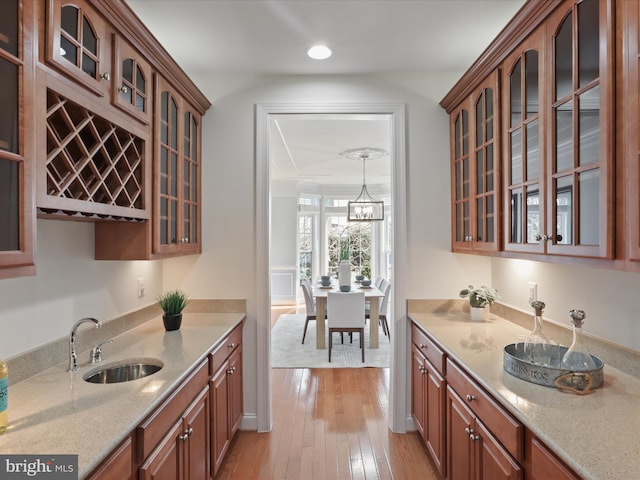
point(577, 358)
point(537, 345)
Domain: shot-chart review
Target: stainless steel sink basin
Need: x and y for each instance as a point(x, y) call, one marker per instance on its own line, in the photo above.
point(124, 371)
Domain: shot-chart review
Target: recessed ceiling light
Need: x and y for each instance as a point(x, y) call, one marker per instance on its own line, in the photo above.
point(319, 52)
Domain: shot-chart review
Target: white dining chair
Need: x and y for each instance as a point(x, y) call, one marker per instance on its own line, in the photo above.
point(385, 288)
point(345, 313)
point(310, 305)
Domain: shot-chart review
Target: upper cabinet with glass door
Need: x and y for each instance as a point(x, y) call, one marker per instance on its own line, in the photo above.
point(132, 81)
point(16, 151)
point(474, 170)
point(579, 182)
point(77, 44)
point(524, 168)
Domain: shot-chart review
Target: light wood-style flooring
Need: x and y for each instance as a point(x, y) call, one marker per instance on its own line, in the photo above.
point(327, 424)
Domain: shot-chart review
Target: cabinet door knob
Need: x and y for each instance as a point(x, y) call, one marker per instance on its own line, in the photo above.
point(470, 397)
point(474, 437)
point(190, 431)
point(422, 346)
point(184, 437)
point(106, 76)
point(124, 89)
point(232, 345)
point(468, 430)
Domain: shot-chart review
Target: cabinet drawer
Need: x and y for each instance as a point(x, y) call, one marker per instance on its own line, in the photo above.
point(501, 424)
point(225, 348)
point(428, 348)
point(152, 430)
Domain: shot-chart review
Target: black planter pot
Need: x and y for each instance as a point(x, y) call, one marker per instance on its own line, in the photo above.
point(172, 322)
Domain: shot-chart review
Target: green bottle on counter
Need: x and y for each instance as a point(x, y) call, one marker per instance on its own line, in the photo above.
point(4, 396)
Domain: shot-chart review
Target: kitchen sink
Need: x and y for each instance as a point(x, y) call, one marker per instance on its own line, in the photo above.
point(124, 371)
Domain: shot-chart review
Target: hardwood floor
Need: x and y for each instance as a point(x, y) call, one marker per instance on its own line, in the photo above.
point(328, 424)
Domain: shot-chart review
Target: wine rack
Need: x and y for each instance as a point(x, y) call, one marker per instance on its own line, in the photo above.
point(95, 164)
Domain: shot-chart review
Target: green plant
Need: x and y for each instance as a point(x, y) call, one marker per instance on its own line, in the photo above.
point(173, 302)
point(480, 297)
point(344, 251)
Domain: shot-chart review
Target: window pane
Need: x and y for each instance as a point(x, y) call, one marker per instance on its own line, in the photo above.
point(89, 66)
point(589, 126)
point(9, 27)
point(141, 83)
point(588, 41)
point(490, 168)
point(89, 39)
point(564, 211)
point(516, 157)
point(564, 137)
point(9, 111)
point(516, 215)
point(480, 217)
point(465, 132)
point(480, 171)
point(69, 21)
point(533, 213)
point(533, 151)
point(589, 185)
point(127, 70)
point(532, 100)
point(9, 205)
point(516, 95)
point(563, 60)
point(68, 50)
point(480, 121)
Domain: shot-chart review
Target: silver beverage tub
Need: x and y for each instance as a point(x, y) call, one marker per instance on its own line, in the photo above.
point(581, 383)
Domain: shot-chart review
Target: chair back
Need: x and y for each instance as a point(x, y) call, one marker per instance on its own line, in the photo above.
point(378, 282)
point(308, 297)
point(385, 288)
point(345, 309)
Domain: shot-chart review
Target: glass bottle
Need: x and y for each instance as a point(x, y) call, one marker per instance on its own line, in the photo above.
point(537, 345)
point(577, 358)
point(4, 396)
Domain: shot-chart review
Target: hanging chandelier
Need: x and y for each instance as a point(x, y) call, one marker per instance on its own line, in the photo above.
point(364, 208)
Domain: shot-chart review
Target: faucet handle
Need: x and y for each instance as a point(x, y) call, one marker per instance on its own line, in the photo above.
point(95, 356)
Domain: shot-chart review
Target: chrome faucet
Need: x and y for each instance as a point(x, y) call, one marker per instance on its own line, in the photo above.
point(73, 358)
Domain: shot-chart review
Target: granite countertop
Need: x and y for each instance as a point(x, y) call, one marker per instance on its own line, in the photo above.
point(57, 412)
point(596, 434)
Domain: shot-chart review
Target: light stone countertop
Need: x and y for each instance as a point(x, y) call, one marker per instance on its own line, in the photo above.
point(598, 435)
point(57, 412)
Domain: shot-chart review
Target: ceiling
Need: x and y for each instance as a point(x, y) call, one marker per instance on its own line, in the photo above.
point(208, 37)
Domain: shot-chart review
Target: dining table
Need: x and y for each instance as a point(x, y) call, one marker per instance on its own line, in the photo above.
point(372, 294)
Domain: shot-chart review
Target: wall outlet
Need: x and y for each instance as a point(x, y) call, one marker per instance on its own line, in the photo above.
point(533, 292)
point(141, 287)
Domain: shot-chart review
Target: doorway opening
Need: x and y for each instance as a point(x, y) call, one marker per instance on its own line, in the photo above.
point(265, 114)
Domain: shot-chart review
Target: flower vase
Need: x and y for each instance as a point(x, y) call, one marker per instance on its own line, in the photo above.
point(479, 314)
point(344, 273)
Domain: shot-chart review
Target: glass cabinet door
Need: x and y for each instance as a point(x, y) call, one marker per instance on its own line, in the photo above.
point(461, 175)
point(132, 82)
point(580, 206)
point(76, 43)
point(485, 171)
point(524, 170)
point(16, 103)
point(190, 182)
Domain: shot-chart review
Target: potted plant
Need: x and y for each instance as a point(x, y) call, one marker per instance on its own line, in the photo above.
point(479, 300)
point(172, 304)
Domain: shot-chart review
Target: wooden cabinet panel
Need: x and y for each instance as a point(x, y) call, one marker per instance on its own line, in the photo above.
point(236, 391)
point(220, 432)
point(474, 453)
point(542, 464)
point(428, 348)
point(118, 465)
point(509, 431)
point(428, 397)
point(166, 461)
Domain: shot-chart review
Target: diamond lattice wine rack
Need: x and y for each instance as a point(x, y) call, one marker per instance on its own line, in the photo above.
point(94, 168)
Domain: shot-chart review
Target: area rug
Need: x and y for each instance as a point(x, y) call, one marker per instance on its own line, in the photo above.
point(287, 350)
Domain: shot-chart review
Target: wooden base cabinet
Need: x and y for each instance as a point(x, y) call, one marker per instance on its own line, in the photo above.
point(428, 396)
point(225, 389)
point(119, 465)
point(483, 441)
point(542, 464)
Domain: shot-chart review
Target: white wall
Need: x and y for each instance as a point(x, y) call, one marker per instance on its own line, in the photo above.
point(608, 297)
point(69, 285)
point(284, 229)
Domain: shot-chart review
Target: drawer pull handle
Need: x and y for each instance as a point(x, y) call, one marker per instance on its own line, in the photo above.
point(422, 346)
point(190, 431)
point(232, 345)
point(184, 437)
point(106, 76)
point(468, 431)
point(474, 437)
point(470, 397)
